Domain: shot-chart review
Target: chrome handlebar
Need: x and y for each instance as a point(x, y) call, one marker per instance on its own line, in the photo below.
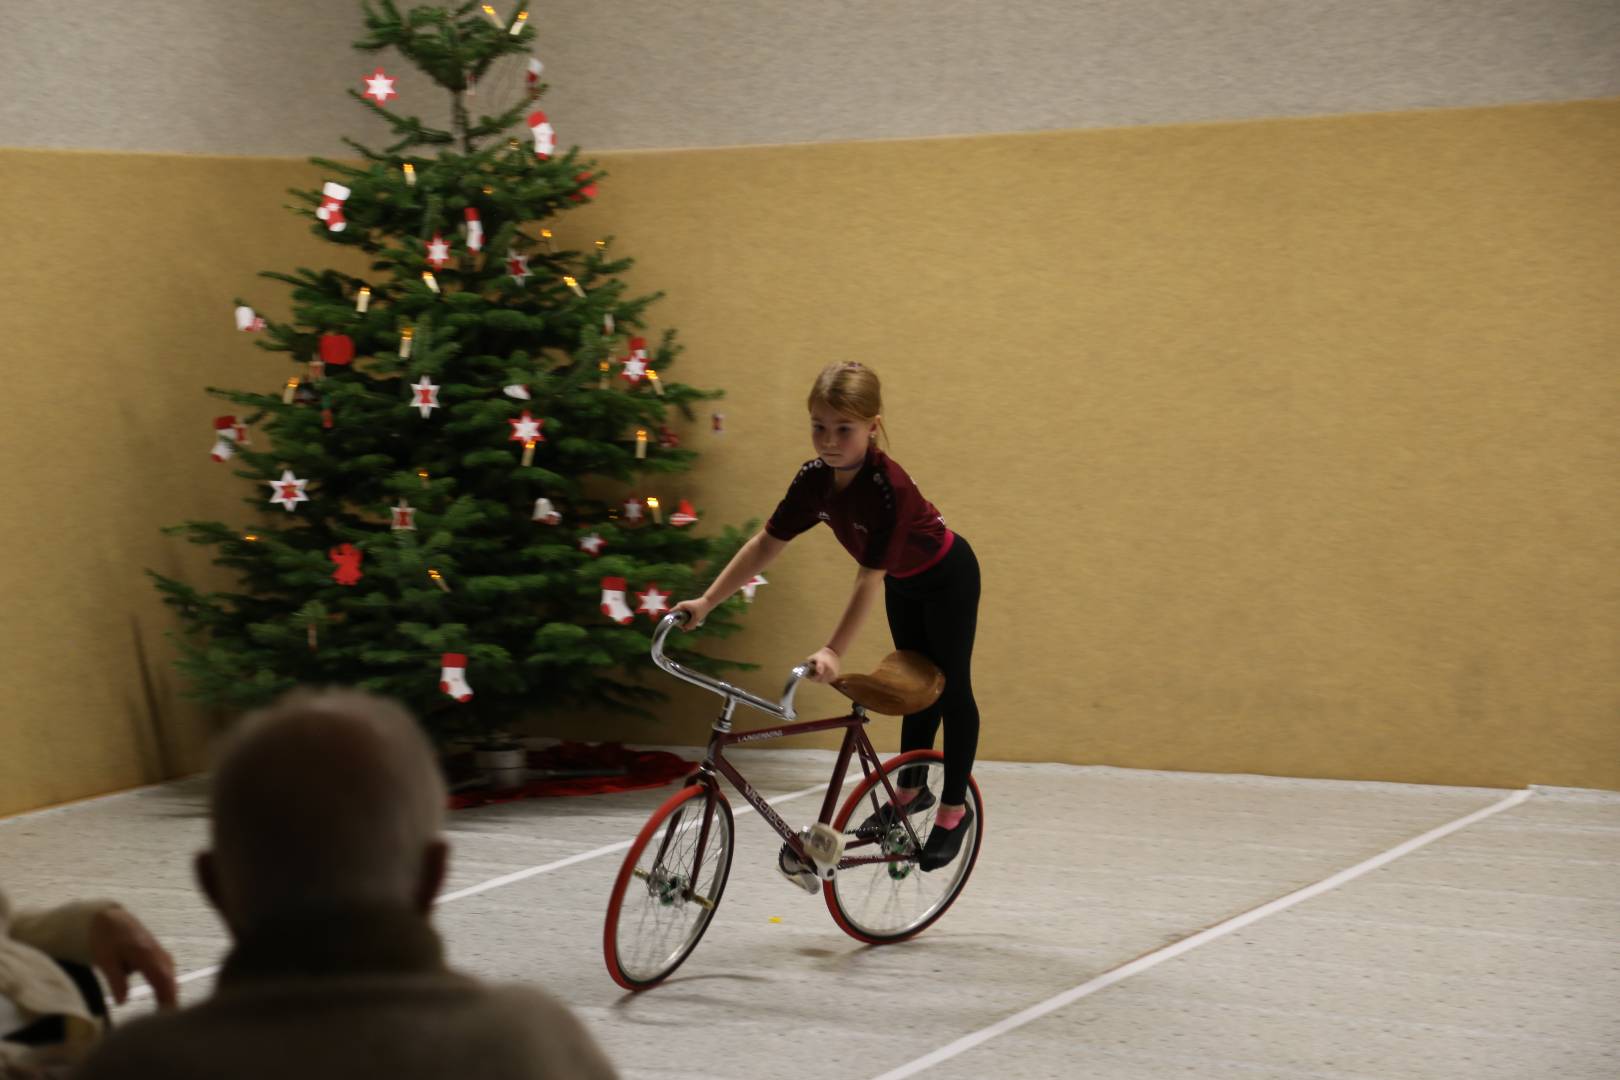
point(783, 709)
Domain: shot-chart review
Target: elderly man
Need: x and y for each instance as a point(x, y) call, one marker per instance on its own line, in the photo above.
point(326, 856)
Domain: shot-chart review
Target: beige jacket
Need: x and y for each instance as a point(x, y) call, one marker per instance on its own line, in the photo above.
point(33, 981)
point(347, 996)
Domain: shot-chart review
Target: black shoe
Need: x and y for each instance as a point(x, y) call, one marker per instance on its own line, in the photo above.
point(944, 844)
point(886, 818)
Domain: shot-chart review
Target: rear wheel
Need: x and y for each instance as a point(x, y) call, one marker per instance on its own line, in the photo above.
point(884, 897)
point(667, 890)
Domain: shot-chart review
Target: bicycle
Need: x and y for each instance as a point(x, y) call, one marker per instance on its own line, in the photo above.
point(673, 876)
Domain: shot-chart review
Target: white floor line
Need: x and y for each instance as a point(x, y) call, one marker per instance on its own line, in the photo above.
point(1186, 944)
point(144, 991)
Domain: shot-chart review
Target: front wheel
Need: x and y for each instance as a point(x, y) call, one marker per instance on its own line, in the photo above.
point(880, 895)
point(668, 889)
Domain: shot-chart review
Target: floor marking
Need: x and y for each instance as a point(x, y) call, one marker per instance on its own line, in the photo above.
point(144, 991)
point(1186, 944)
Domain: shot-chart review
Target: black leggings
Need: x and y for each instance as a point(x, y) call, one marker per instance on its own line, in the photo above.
point(936, 614)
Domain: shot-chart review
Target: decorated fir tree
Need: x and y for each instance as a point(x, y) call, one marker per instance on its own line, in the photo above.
point(465, 481)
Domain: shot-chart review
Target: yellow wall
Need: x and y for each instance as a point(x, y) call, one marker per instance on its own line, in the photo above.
point(1287, 446)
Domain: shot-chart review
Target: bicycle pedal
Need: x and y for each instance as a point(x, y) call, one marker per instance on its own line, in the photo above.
point(789, 866)
point(825, 845)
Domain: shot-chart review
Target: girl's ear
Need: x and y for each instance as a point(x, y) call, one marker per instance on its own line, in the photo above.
point(871, 432)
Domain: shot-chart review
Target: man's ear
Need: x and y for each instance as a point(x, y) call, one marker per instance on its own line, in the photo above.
point(435, 864)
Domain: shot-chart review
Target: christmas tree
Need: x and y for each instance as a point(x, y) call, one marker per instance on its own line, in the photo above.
point(459, 502)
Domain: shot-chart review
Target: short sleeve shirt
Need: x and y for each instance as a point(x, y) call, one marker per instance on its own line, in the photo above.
point(880, 517)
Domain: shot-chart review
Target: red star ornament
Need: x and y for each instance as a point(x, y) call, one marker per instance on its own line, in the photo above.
point(518, 266)
point(526, 428)
point(289, 491)
point(380, 87)
point(426, 398)
point(438, 252)
point(652, 603)
point(635, 369)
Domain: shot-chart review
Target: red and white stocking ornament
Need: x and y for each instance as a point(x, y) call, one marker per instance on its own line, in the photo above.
point(331, 208)
point(453, 679)
point(247, 320)
point(475, 230)
point(518, 391)
point(754, 583)
point(228, 435)
point(531, 77)
point(545, 513)
point(613, 605)
point(545, 137)
point(651, 602)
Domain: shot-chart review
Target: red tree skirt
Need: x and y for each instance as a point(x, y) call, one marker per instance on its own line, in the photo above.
point(623, 769)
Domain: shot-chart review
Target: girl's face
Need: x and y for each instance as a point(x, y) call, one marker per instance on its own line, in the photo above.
point(840, 440)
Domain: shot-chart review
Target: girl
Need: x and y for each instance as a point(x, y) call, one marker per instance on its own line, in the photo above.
point(927, 574)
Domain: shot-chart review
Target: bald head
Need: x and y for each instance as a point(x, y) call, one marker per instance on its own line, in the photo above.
point(324, 800)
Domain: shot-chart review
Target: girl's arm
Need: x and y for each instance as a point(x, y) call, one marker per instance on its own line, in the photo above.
point(827, 660)
point(753, 557)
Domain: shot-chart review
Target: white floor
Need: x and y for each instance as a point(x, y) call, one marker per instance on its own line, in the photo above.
point(1490, 952)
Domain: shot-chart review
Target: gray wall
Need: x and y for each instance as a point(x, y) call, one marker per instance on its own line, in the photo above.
point(205, 76)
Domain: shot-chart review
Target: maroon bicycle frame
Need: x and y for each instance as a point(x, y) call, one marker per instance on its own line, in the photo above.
point(855, 744)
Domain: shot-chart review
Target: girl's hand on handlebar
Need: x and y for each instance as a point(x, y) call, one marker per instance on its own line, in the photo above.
point(696, 611)
point(824, 665)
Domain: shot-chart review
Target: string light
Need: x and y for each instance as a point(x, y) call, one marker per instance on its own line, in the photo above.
point(423, 474)
point(494, 19)
point(290, 391)
point(528, 452)
point(438, 579)
point(363, 301)
point(430, 281)
point(652, 504)
point(251, 538)
point(572, 283)
point(641, 443)
point(405, 337)
point(657, 383)
point(410, 174)
point(545, 234)
point(608, 324)
point(517, 27)
point(605, 368)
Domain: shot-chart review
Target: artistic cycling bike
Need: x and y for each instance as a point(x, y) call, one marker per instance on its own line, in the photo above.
point(675, 872)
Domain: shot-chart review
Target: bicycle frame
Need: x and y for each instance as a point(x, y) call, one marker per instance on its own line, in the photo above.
point(855, 745)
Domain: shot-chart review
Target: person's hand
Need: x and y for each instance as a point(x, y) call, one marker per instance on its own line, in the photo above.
point(824, 665)
point(698, 610)
point(120, 946)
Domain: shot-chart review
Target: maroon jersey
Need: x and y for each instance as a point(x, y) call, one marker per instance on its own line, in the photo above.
point(880, 517)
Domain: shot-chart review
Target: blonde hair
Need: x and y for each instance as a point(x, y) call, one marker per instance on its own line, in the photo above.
point(853, 390)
